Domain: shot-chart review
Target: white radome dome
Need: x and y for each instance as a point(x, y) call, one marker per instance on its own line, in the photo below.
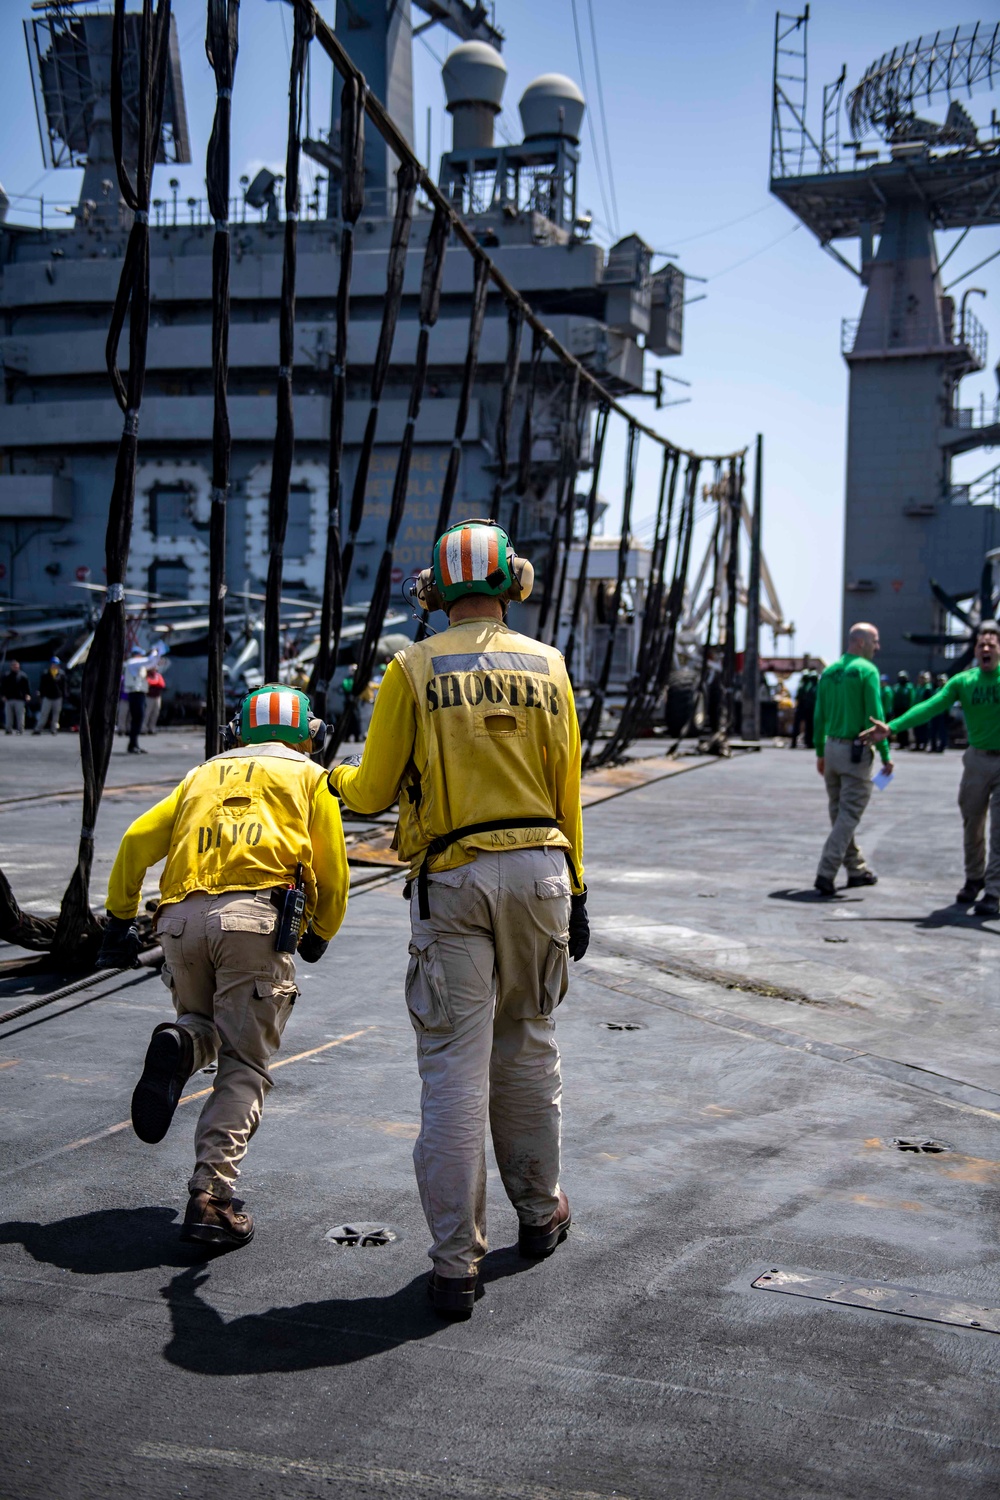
point(552, 106)
point(474, 73)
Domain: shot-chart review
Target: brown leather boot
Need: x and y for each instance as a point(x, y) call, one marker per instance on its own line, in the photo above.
point(453, 1296)
point(216, 1221)
point(168, 1066)
point(537, 1240)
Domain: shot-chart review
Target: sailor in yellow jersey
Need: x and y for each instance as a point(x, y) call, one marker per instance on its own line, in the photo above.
point(475, 733)
point(239, 834)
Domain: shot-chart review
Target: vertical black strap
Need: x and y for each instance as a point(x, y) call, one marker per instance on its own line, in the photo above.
point(406, 184)
point(221, 45)
point(592, 724)
point(527, 438)
point(600, 429)
point(284, 438)
point(76, 927)
point(352, 198)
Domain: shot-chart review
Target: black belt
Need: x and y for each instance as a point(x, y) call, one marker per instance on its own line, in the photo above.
point(445, 840)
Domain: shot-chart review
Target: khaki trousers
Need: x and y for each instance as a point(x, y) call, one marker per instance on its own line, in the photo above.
point(979, 794)
point(48, 715)
point(486, 973)
point(233, 994)
point(849, 790)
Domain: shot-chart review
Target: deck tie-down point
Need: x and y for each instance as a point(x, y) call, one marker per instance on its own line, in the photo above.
point(366, 1236)
point(621, 1025)
point(928, 1148)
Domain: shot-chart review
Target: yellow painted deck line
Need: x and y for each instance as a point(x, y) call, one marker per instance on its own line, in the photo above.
point(281, 1063)
point(100, 1135)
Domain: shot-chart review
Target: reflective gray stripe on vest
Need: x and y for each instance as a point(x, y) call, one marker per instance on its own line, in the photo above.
point(487, 661)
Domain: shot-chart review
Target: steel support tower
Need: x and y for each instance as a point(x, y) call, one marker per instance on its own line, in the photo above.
point(898, 180)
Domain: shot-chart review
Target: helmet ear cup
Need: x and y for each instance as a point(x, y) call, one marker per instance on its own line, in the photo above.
point(523, 575)
point(229, 734)
point(426, 592)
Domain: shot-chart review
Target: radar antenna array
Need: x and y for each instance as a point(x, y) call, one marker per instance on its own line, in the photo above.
point(958, 60)
point(69, 53)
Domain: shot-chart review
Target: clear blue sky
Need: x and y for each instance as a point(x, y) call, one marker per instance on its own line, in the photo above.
point(687, 95)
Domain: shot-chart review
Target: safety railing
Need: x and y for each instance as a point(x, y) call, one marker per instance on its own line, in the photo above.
point(986, 414)
point(892, 334)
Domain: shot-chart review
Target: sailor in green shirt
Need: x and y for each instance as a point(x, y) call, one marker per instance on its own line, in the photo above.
point(849, 696)
point(978, 692)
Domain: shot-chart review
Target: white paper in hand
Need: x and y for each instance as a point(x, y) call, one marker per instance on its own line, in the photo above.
point(882, 779)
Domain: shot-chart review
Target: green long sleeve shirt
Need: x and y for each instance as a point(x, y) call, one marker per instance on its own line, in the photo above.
point(849, 697)
point(979, 694)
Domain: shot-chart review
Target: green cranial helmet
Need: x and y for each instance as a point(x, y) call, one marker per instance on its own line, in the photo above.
point(275, 712)
point(473, 558)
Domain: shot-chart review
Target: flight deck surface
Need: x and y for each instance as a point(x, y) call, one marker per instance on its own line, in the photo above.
point(741, 1062)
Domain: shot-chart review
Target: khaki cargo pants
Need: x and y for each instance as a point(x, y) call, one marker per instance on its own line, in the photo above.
point(979, 795)
point(233, 994)
point(849, 790)
point(486, 973)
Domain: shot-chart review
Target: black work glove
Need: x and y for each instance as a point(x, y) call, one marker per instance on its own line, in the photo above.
point(579, 926)
point(120, 944)
point(312, 947)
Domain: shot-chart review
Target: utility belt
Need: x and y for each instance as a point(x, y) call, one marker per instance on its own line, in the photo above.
point(445, 840)
point(857, 747)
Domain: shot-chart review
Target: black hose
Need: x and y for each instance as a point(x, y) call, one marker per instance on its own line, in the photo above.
point(221, 45)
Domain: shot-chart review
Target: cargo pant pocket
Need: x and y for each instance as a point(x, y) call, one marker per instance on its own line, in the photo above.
point(426, 986)
point(555, 976)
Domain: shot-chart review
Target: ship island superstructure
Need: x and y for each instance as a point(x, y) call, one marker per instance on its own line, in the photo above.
point(59, 424)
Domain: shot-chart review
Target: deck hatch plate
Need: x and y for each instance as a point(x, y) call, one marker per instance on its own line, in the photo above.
point(881, 1296)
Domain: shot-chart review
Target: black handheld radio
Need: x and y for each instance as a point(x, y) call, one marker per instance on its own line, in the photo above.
point(291, 913)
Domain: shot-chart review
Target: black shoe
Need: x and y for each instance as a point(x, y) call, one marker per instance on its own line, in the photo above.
point(987, 906)
point(824, 886)
point(534, 1241)
point(863, 877)
point(453, 1296)
point(136, 750)
point(216, 1221)
point(168, 1066)
point(968, 893)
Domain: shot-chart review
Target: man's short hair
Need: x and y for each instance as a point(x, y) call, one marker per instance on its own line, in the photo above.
point(987, 627)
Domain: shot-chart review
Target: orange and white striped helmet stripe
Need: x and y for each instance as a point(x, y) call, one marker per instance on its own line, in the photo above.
point(469, 554)
point(273, 709)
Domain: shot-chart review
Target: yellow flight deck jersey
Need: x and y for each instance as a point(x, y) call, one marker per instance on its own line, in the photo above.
point(242, 821)
point(472, 726)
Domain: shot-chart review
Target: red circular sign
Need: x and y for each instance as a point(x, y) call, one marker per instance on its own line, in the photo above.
point(397, 575)
point(82, 574)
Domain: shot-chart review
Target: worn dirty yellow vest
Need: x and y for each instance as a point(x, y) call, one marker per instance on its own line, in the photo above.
point(242, 824)
point(495, 732)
